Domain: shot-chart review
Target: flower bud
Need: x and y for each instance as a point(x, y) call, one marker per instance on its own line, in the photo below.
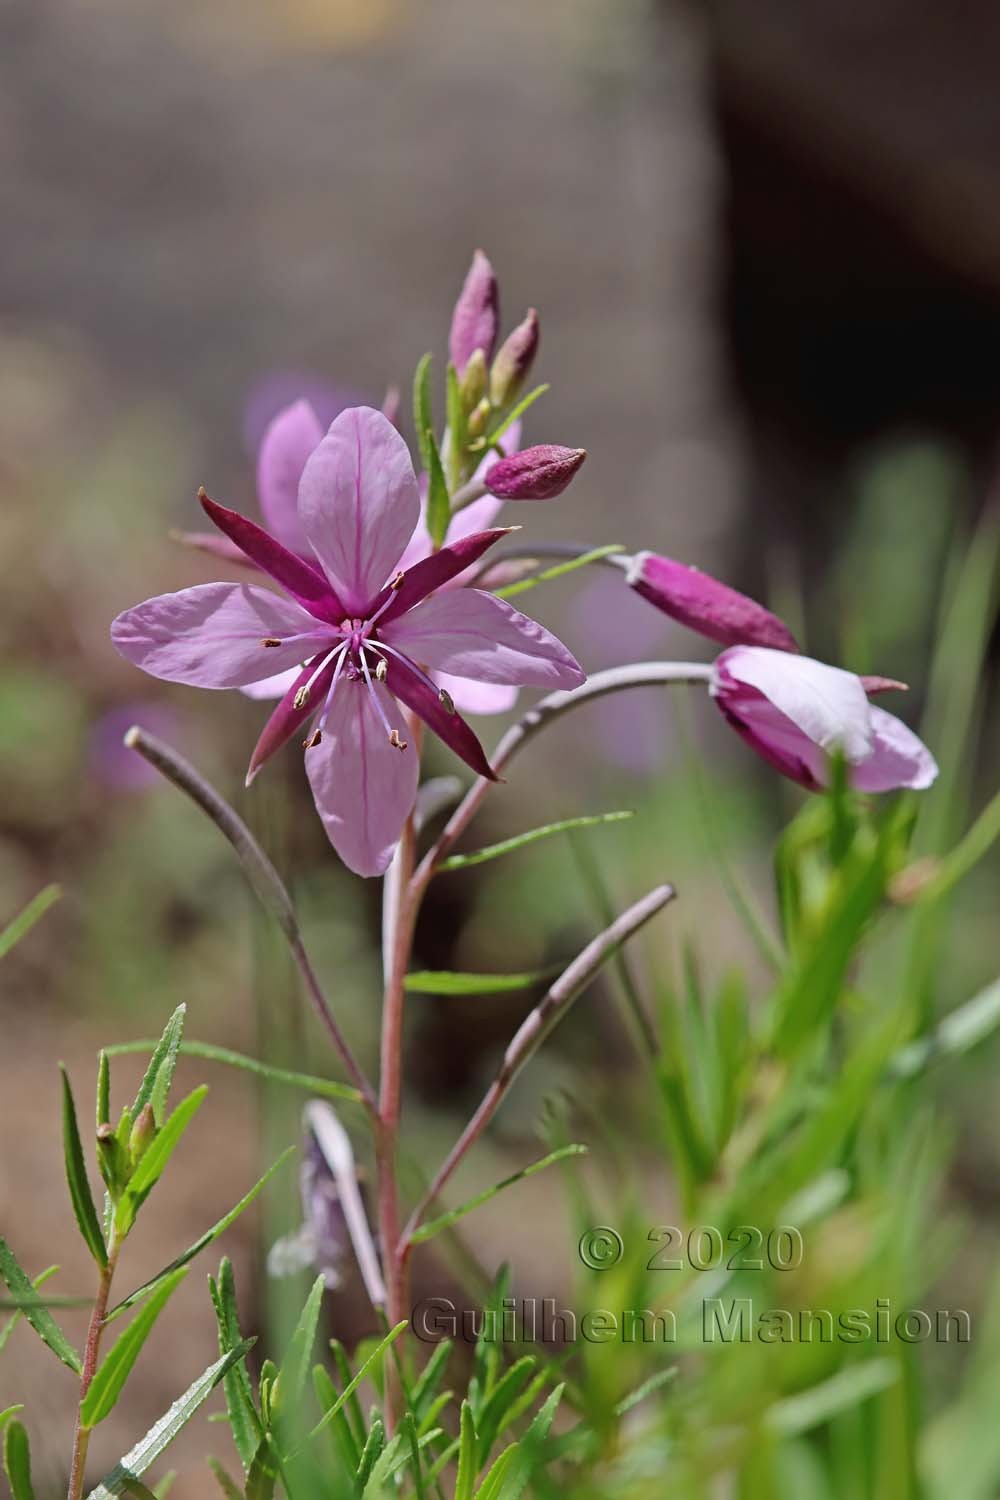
point(476, 425)
point(704, 604)
point(112, 1159)
point(476, 318)
point(473, 382)
point(514, 360)
point(538, 473)
point(141, 1134)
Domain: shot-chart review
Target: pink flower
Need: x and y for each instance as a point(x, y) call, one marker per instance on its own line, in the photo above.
point(796, 712)
point(475, 321)
point(705, 604)
point(360, 630)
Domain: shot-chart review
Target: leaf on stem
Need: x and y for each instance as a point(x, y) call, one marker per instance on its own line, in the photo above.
point(156, 1081)
point(17, 1461)
point(349, 1390)
point(423, 414)
point(243, 1420)
point(155, 1158)
point(76, 1176)
point(211, 1053)
point(435, 1226)
point(558, 570)
point(33, 1308)
point(960, 1031)
point(438, 499)
point(116, 1367)
point(26, 919)
point(520, 840)
point(16, 1316)
point(512, 416)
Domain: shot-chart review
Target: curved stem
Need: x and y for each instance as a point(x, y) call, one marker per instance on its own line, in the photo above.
point(559, 550)
point(92, 1348)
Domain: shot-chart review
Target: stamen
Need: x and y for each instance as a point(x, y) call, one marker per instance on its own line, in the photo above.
point(446, 701)
point(427, 681)
point(382, 670)
point(270, 640)
point(393, 734)
point(396, 742)
point(302, 696)
point(313, 740)
point(321, 724)
point(394, 585)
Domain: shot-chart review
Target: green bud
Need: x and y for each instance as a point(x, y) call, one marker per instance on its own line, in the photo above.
point(473, 383)
point(476, 425)
point(141, 1134)
point(112, 1160)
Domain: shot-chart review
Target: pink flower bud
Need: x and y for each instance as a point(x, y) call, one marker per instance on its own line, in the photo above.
point(475, 321)
point(514, 360)
point(538, 473)
point(704, 604)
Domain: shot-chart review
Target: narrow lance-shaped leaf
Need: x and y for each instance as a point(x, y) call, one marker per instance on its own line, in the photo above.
point(103, 1109)
point(959, 1031)
point(244, 1422)
point(115, 1368)
point(343, 1440)
point(520, 840)
point(493, 1417)
point(205, 1239)
point(372, 1451)
point(11, 1411)
point(448, 982)
point(211, 1053)
point(435, 1226)
point(149, 1448)
point(294, 1369)
point(26, 919)
point(76, 1176)
point(16, 1316)
point(467, 1467)
point(410, 1435)
point(513, 415)
point(34, 1310)
point(438, 501)
point(423, 415)
point(17, 1462)
point(155, 1159)
point(456, 423)
point(375, 1487)
point(345, 1394)
point(226, 1485)
point(157, 1078)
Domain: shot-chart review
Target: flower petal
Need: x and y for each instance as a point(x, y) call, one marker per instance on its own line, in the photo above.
point(359, 504)
point(217, 546)
point(899, 758)
point(435, 571)
point(287, 443)
point(478, 635)
point(364, 787)
point(477, 697)
point(304, 582)
point(828, 705)
point(212, 635)
point(286, 719)
point(705, 604)
point(271, 687)
point(410, 688)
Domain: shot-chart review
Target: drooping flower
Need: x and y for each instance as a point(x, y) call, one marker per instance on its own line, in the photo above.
point(705, 604)
point(796, 712)
point(361, 629)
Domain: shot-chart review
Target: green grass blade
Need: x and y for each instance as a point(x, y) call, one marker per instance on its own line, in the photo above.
point(157, 1078)
point(435, 1226)
point(467, 1447)
point(521, 840)
point(34, 1310)
point(448, 982)
point(211, 1053)
point(820, 1402)
point(17, 1461)
point(26, 919)
point(207, 1238)
point(76, 1176)
point(116, 1367)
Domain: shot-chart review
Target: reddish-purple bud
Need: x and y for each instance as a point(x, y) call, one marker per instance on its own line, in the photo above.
point(514, 360)
point(476, 319)
point(538, 473)
point(705, 604)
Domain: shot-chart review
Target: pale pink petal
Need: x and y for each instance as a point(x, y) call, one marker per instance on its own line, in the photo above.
point(364, 787)
point(359, 503)
point(212, 635)
point(479, 516)
point(899, 758)
point(287, 443)
point(271, 687)
point(478, 635)
point(477, 697)
point(828, 705)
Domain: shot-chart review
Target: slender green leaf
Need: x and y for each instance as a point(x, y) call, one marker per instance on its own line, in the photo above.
point(149, 1448)
point(438, 499)
point(966, 855)
point(243, 1420)
point(25, 920)
point(446, 982)
point(520, 840)
point(434, 1226)
point(376, 1487)
point(410, 1434)
point(661, 1378)
point(512, 416)
point(231, 1490)
point(819, 1403)
point(373, 1449)
point(34, 1309)
point(355, 1415)
point(207, 1238)
point(17, 1315)
point(17, 1461)
point(294, 1369)
point(159, 1074)
point(344, 1442)
point(76, 1177)
point(431, 1375)
point(455, 416)
point(491, 1485)
point(345, 1394)
point(493, 1416)
point(116, 1367)
point(155, 1158)
point(207, 1050)
point(423, 414)
point(558, 570)
point(960, 1031)
point(11, 1411)
point(165, 1485)
point(529, 1449)
point(467, 1446)
point(136, 1490)
point(103, 1110)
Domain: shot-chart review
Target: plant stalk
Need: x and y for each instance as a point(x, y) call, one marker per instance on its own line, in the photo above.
point(92, 1349)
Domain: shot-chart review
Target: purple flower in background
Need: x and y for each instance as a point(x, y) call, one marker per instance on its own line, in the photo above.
point(278, 389)
point(705, 604)
point(361, 629)
point(475, 321)
point(796, 712)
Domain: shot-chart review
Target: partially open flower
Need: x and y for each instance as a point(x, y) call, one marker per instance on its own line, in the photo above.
point(539, 473)
point(705, 604)
point(361, 631)
point(796, 713)
point(476, 319)
point(514, 360)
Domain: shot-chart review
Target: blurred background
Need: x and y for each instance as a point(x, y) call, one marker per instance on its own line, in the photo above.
point(764, 242)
